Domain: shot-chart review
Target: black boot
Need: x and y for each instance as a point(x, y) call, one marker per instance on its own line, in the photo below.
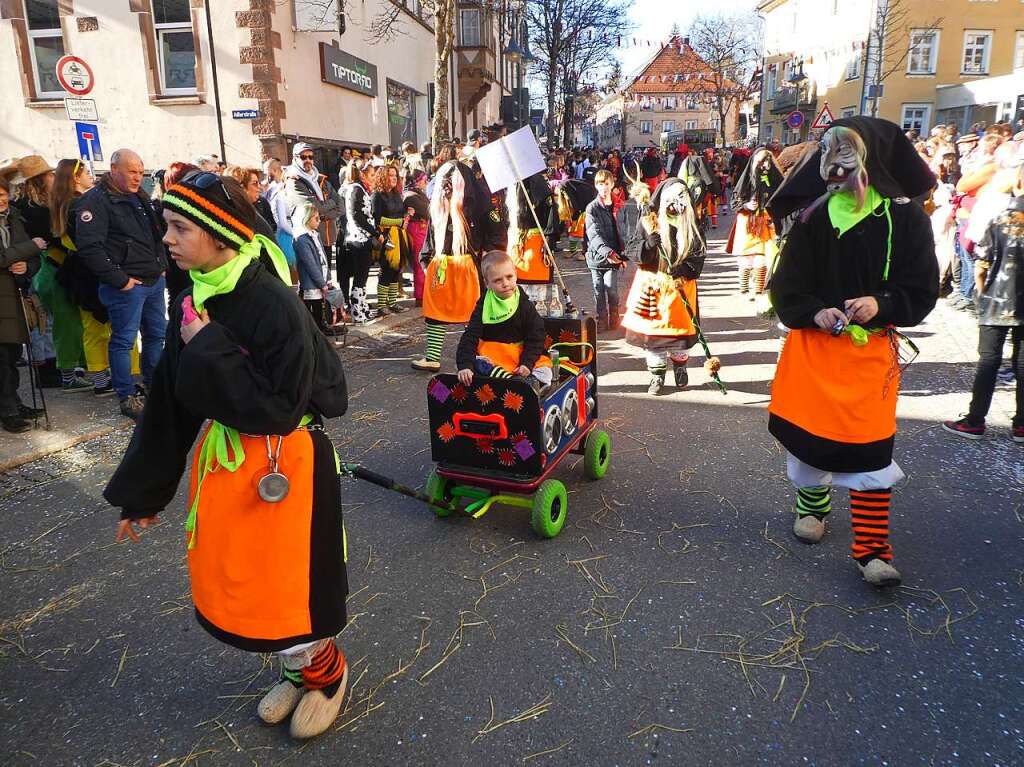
point(48, 375)
point(657, 384)
point(679, 372)
point(15, 424)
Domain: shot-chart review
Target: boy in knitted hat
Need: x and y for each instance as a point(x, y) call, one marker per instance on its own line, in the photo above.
point(245, 369)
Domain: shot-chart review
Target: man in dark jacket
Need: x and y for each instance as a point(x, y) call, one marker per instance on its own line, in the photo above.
point(119, 235)
point(604, 252)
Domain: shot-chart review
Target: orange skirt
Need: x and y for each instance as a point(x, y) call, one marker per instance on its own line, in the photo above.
point(655, 307)
point(531, 260)
point(506, 355)
point(750, 233)
point(267, 576)
point(452, 297)
point(834, 390)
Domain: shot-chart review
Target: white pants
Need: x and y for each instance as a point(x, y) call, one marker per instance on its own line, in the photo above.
point(805, 475)
point(752, 262)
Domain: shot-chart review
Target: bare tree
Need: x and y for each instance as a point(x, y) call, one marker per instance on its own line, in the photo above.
point(570, 37)
point(893, 39)
point(730, 46)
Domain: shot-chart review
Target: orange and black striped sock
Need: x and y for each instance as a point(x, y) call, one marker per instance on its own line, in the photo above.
point(325, 670)
point(869, 516)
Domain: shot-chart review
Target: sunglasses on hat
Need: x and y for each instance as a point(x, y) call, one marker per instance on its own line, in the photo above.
point(204, 179)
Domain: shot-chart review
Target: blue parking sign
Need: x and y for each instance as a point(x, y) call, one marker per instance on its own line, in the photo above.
point(89, 140)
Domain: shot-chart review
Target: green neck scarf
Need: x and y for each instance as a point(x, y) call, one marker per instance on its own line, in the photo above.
point(224, 278)
point(498, 309)
point(842, 208)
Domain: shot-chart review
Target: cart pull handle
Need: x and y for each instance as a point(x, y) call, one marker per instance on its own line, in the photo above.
point(361, 472)
point(583, 345)
point(479, 427)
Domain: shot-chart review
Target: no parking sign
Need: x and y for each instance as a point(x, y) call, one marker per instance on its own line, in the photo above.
point(795, 119)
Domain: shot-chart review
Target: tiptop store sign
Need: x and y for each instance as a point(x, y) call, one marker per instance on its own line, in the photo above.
point(346, 71)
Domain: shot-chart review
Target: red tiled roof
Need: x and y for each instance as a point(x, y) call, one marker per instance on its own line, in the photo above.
point(676, 68)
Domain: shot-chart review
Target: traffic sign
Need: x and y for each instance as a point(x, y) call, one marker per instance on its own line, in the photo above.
point(245, 114)
point(81, 109)
point(795, 119)
point(74, 75)
point(88, 135)
point(824, 118)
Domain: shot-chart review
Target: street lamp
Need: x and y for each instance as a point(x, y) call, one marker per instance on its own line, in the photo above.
point(521, 57)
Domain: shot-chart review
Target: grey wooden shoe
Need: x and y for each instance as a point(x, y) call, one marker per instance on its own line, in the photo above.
point(316, 712)
point(279, 702)
point(808, 529)
point(878, 572)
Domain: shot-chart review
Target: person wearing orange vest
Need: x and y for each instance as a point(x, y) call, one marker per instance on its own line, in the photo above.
point(526, 243)
point(461, 231)
point(859, 262)
point(661, 309)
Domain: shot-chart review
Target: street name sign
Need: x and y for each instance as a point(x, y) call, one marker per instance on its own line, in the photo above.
point(83, 110)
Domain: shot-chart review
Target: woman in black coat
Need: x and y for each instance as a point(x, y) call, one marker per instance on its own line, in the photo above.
point(19, 260)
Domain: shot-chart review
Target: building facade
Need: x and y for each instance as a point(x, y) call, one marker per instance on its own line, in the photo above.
point(914, 62)
point(669, 95)
point(488, 84)
point(283, 72)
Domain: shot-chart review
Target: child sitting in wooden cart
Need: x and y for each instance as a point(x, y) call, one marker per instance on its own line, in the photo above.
point(505, 334)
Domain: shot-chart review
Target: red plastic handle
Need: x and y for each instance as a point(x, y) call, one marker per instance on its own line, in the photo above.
point(491, 426)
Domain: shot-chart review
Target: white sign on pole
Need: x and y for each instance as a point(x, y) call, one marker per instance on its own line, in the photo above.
point(83, 110)
point(510, 159)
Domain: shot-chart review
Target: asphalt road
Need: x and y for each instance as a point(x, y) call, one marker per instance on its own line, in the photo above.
point(675, 620)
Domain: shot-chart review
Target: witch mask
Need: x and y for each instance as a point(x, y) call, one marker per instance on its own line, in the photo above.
point(843, 161)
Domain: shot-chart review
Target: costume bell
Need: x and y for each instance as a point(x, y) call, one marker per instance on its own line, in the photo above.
point(662, 308)
point(752, 239)
point(859, 262)
point(265, 534)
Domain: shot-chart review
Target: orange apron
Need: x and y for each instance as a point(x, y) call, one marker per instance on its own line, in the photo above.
point(579, 228)
point(250, 565)
point(506, 355)
point(450, 293)
point(654, 306)
point(531, 260)
point(835, 390)
point(749, 234)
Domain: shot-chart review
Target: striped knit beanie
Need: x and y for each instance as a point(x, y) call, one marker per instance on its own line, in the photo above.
point(202, 198)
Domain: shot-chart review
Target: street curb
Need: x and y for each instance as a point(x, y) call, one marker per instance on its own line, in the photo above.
point(65, 445)
point(393, 324)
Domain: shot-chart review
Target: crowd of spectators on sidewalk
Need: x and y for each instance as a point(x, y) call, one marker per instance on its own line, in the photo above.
point(84, 274)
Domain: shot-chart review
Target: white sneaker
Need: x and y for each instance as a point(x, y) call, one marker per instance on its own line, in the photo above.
point(878, 572)
point(279, 702)
point(316, 712)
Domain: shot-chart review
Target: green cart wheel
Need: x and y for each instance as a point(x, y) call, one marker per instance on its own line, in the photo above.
point(597, 454)
point(438, 489)
point(549, 508)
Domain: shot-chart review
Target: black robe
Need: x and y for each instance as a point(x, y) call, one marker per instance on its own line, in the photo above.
point(816, 270)
point(259, 367)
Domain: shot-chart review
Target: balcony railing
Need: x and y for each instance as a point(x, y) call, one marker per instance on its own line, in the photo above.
point(793, 97)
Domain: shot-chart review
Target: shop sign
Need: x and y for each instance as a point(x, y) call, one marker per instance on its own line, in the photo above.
point(346, 71)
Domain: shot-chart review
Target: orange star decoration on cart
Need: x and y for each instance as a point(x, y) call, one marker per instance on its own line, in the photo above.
point(512, 401)
point(486, 394)
point(446, 431)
